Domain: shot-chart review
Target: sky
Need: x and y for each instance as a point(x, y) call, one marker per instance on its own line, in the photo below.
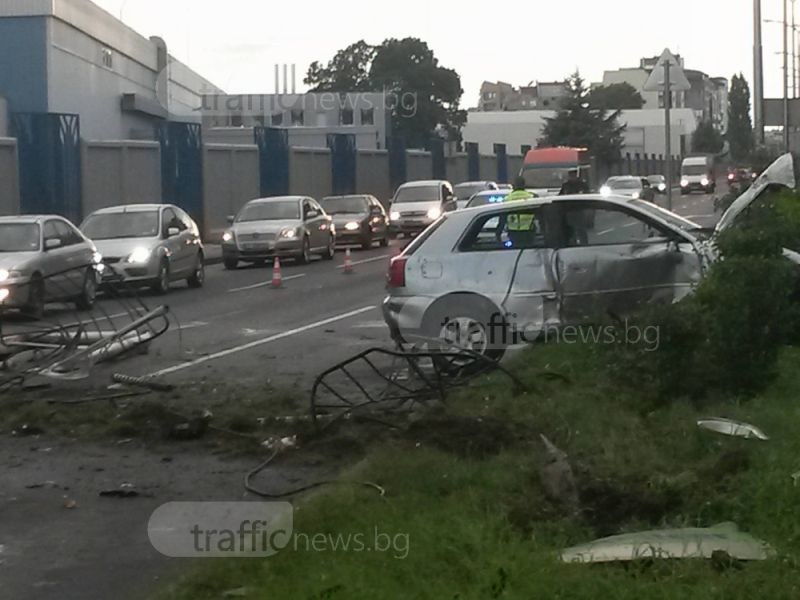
point(236, 43)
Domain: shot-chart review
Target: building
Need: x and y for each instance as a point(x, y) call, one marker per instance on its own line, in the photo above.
point(501, 96)
point(71, 56)
point(708, 96)
point(644, 132)
point(308, 117)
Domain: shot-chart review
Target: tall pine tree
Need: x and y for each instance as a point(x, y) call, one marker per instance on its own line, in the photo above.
point(740, 126)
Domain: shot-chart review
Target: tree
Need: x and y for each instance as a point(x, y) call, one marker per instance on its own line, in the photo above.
point(706, 139)
point(422, 96)
point(617, 96)
point(577, 124)
point(740, 126)
point(347, 71)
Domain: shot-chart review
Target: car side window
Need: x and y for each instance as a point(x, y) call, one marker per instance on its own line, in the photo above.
point(508, 230)
point(169, 220)
point(186, 222)
point(66, 234)
point(594, 226)
point(50, 231)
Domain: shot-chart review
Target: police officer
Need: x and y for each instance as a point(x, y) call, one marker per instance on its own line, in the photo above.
point(574, 185)
point(520, 226)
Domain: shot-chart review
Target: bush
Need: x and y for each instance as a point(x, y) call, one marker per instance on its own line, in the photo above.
point(725, 339)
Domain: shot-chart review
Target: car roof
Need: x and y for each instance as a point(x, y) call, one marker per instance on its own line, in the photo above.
point(130, 208)
point(624, 178)
point(278, 199)
point(487, 182)
point(28, 218)
point(364, 196)
point(424, 183)
point(491, 192)
point(620, 201)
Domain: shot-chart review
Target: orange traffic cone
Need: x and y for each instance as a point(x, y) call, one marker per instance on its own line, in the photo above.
point(277, 276)
point(348, 262)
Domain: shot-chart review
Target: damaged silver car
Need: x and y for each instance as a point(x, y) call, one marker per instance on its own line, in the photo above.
point(503, 274)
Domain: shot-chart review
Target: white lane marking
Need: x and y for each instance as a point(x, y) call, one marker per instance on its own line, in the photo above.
point(367, 260)
point(193, 325)
point(268, 340)
point(700, 216)
point(264, 284)
point(370, 325)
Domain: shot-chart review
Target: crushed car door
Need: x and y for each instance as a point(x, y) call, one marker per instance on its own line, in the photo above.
point(613, 260)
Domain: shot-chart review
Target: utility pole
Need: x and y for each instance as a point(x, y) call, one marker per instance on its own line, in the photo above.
point(794, 50)
point(786, 138)
point(668, 131)
point(758, 74)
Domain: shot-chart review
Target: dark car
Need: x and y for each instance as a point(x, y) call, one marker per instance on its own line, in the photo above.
point(359, 219)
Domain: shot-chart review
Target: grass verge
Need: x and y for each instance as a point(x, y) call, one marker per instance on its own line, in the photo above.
point(467, 517)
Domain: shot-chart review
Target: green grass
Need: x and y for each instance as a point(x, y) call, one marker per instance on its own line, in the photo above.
point(480, 526)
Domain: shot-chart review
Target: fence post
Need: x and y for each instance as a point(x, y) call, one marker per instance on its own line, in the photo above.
point(398, 166)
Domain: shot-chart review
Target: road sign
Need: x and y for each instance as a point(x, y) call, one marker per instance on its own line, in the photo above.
point(677, 78)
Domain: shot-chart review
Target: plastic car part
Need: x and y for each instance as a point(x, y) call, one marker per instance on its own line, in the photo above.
point(732, 428)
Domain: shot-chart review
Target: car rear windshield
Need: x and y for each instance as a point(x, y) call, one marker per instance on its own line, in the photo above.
point(345, 204)
point(270, 211)
point(465, 191)
point(109, 226)
point(19, 237)
point(422, 193)
point(625, 184)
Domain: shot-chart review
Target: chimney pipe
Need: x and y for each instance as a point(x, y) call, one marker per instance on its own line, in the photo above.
point(294, 79)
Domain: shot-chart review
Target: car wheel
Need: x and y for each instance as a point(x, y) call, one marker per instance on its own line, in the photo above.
point(385, 241)
point(161, 284)
point(467, 323)
point(36, 301)
point(231, 264)
point(331, 252)
point(198, 278)
point(305, 254)
point(88, 292)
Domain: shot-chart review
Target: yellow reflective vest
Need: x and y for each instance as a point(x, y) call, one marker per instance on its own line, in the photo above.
point(520, 222)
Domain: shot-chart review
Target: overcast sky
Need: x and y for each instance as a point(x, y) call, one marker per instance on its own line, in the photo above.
point(235, 43)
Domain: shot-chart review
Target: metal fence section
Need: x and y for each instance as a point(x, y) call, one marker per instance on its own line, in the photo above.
point(438, 163)
point(473, 162)
point(273, 157)
point(343, 163)
point(49, 148)
point(398, 167)
point(182, 167)
point(502, 163)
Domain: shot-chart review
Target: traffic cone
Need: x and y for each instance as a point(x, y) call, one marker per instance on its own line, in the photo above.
point(277, 276)
point(348, 262)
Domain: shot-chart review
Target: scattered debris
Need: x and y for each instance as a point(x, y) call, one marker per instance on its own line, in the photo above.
point(70, 504)
point(670, 544)
point(144, 382)
point(27, 430)
point(732, 428)
point(44, 484)
point(125, 490)
point(558, 479)
point(237, 593)
point(279, 445)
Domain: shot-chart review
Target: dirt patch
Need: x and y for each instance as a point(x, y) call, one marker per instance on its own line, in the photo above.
point(465, 436)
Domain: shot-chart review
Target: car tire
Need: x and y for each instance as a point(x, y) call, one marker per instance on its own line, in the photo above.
point(231, 264)
point(330, 253)
point(198, 277)
point(34, 308)
point(89, 291)
point(467, 321)
point(162, 283)
point(385, 242)
point(305, 254)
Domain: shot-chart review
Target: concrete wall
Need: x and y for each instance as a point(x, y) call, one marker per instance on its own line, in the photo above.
point(310, 172)
point(120, 172)
point(488, 168)
point(457, 168)
point(419, 165)
point(372, 174)
point(9, 177)
point(230, 179)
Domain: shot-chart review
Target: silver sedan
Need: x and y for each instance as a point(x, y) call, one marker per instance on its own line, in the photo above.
point(147, 245)
point(45, 259)
point(288, 226)
point(503, 274)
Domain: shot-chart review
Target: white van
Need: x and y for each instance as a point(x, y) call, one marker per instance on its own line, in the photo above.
point(697, 175)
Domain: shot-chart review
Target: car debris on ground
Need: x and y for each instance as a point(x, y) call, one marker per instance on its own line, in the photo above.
point(671, 544)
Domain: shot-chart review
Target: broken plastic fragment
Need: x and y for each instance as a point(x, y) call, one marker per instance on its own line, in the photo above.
point(733, 428)
point(671, 543)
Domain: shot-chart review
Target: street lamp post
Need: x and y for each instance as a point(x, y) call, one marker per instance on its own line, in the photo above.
point(786, 75)
point(758, 74)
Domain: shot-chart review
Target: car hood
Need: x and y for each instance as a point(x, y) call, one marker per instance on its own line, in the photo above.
point(17, 260)
point(264, 226)
point(344, 218)
point(416, 206)
point(122, 247)
point(780, 173)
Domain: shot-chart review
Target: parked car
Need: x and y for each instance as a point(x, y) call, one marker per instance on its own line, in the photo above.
point(487, 197)
point(628, 186)
point(286, 226)
point(471, 281)
point(464, 191)
point(658, 183)
point(147, 245)
point(45, 259)
point(359, 219)
point(418, 204)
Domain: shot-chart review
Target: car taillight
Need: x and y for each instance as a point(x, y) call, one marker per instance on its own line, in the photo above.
point(397, 272)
